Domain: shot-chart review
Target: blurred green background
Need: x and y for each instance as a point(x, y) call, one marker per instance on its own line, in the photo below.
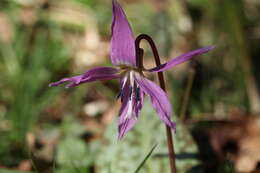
point(215, 96)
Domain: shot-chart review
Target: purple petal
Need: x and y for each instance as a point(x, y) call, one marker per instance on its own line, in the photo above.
point(159, 100)
point(180, 59)
point(127, 123)
point(122, 41)
point(98, 73)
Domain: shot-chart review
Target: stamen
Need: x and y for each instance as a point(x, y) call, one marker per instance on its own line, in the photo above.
point(130, 92)
point(122, 96)
point(124, 81)
point(137, 94)
point(119, 94)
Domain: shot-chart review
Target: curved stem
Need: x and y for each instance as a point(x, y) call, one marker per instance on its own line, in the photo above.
point(139, 60)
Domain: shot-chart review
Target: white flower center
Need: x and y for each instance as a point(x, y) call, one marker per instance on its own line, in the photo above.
point(133, 96)
point(130, 103)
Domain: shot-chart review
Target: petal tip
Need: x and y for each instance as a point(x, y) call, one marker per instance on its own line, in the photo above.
point(119, 137)
point(53, 84)
point(173, 126)
point(211, 47)
point(122, 50)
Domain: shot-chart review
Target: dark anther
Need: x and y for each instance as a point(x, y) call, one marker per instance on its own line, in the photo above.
point(120, 94)
point(130, 92)
point(137, 94)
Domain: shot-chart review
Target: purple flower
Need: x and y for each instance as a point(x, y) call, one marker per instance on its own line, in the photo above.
point(133, 83)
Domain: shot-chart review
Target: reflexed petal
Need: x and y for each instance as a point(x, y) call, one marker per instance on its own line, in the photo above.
point(159, 100)
point(122, 41)
point(98, 73)
point(180, 59)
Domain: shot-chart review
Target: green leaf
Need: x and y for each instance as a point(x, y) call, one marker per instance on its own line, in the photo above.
point(73, 153)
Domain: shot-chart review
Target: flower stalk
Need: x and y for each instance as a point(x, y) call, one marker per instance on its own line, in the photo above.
point(139, 60)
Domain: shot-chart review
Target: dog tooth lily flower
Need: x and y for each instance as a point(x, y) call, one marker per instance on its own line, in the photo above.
point(133, 83)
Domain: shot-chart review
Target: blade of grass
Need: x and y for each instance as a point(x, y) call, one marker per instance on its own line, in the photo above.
point(145, 159)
